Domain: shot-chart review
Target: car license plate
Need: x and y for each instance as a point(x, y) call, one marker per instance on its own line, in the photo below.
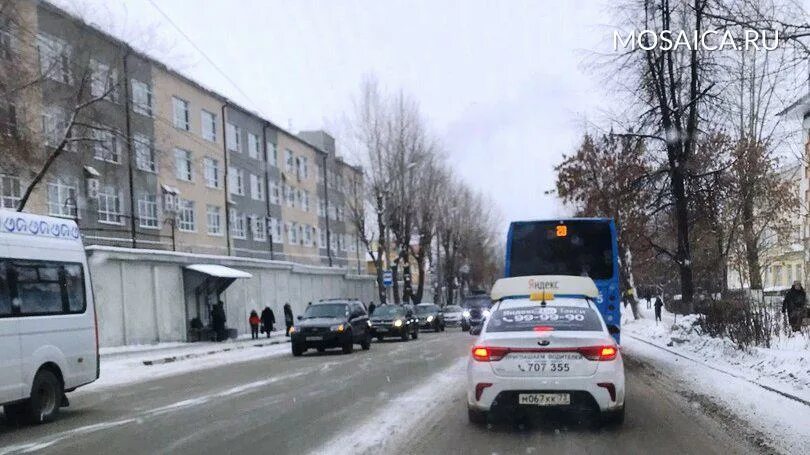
point(314, 338)
point(544, 399)
point(382, 329)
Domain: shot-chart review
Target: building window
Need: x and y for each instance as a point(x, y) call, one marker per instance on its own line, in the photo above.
point(340, 213)
point(321, 207)
point(233, 135)
point(259, 228)
point(238, 228)
point(109, 205)
point(321, 238)
point(142, 99)
point(62, 194)
point(236, 181)
point(181, 114)
point(213, 173)
point(186, 217)
point(53, 124)
point(148, 211)
point(103, 81)
point(272, 154)
point(8, 38)
point(276, 231)
point(256, 188)
point(305, 200)
point(208, 122)
point(289, 196)
point(289, 161)
point(183, 167)
point(307, 235)
point(213, 215)
point(253, 147)
point(302, 167)
point(10, 191)
point(144, 153)
point(292, 233)
point(106, 146)
point(275, 193)
point(54, 58)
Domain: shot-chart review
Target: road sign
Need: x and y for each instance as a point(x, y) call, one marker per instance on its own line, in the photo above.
point(388, 278)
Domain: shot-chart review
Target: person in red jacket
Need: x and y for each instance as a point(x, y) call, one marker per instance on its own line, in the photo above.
point(254, 325)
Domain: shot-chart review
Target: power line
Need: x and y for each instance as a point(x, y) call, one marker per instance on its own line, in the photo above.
point(210, 60)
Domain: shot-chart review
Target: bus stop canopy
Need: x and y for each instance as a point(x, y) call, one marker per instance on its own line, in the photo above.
point(219, 271)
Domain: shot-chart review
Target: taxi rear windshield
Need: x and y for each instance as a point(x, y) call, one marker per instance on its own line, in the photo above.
point(557, 318)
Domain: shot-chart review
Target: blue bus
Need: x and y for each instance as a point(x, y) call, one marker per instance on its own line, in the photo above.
point(575, 246)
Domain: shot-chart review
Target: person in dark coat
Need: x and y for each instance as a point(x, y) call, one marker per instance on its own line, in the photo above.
point(658, 305)
point(371, 308)
point(218, 320)
point(268, 319)
point(795, 305)
point(254, 321)
point(288, 317)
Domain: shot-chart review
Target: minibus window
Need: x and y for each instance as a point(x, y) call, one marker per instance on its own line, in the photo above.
point(44, 287)
point(74, 287)
point(5, 298)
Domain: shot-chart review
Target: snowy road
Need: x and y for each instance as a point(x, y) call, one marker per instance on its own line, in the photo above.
point(397, 398)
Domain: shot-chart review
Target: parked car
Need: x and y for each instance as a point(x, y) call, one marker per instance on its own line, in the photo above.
point(331, 324)
point(394, 321)
point(48, 328)
point(454, 317)
point(430, 317)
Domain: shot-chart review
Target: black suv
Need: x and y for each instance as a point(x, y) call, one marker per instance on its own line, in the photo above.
point(394, 321)
point(430, 317)
point(331, 324)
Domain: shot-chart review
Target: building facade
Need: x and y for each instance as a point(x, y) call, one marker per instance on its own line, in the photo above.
point(155, 160)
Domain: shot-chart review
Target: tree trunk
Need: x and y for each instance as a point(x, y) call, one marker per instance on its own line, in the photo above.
point(750, 241)
point(626, 277)
point(683, 253)
point(395, 281)
point(420, 273)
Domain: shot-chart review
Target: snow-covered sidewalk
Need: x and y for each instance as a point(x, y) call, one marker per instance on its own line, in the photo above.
point(712, 371)
point(133, 364)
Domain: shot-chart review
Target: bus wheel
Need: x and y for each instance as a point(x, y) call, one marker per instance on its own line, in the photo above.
point(46, 397)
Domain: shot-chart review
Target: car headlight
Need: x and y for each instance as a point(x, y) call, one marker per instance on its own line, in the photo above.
point(466, 313)
point(486, 313)
point(369, 323)
point(398, 323)
point(430, 319)
point(337, 328)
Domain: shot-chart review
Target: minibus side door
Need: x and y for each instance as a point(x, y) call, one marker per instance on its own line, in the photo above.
point(11, 387)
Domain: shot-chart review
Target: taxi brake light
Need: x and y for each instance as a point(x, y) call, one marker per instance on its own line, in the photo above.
point(488, 353)
point(543, 328)
point(598, 353)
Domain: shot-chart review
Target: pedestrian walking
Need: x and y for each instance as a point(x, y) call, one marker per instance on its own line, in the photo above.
point(288, 317)
point(254, 320)
point(218, 320)
point(795, 305)
point(371, 308)
point(268, 319)
point(658, 305)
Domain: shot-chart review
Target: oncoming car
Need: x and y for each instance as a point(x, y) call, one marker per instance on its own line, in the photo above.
point(476, 310)
point(541, 350)
point(394, 321)
point(430, 317)
point(331, 324)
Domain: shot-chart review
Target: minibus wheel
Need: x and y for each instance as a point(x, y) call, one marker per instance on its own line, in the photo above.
point(46, 397)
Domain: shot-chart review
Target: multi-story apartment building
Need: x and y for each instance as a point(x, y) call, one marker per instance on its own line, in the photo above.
point(156, 160)
point(245, 141)
point(338, 188)
point(298, 190)
point(189, 161)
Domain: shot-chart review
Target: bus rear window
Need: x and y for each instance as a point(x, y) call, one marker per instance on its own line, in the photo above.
point(558, 318)
point(583, 248)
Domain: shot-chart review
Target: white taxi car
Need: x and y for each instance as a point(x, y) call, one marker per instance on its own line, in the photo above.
point(545, 345)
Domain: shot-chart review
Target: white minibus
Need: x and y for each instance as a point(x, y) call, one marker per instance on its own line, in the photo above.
point(48, 331)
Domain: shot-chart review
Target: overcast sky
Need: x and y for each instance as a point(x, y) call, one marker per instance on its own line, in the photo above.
point(502, 83)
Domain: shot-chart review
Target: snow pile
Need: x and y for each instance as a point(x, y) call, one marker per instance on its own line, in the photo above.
point(785, 366)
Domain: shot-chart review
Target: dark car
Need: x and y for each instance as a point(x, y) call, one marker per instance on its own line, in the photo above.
point(331, 324)
point(394, 321)
point(430, 317)
point(476, 309)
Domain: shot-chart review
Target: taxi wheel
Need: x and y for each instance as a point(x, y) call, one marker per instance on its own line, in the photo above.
point(612, 418)
point(476, 417)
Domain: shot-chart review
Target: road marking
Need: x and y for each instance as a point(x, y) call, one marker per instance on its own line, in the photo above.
point(138, 418)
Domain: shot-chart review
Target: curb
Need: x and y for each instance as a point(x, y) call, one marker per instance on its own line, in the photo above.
point(768, 388)
point(177, 358)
